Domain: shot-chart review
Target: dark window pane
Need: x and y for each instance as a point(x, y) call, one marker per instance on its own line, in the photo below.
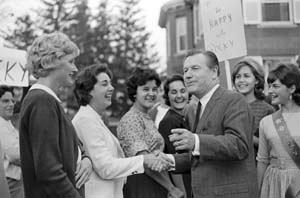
point(275, 12)
point(182, 43)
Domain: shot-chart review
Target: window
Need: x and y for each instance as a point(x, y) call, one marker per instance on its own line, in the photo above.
point(181, 34)
point(271, 11)
point(168, 39)
point(275, 10)
point(196, 14)
point(271, 62)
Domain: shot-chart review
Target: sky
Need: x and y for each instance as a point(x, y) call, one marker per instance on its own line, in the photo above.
point(150, 9)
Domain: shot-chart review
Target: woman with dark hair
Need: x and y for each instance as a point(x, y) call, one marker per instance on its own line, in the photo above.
point(10, 143)
point(138, 135)
point(93, 91)
point(278, 156)
point(248, 79)
point(176, 96)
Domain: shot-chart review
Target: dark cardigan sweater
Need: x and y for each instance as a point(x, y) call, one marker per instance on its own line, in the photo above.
point(48, 148)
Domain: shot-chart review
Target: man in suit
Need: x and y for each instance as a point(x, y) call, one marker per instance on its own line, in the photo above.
point(221, 158)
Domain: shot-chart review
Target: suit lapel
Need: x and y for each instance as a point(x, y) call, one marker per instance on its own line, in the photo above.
point(209, 107)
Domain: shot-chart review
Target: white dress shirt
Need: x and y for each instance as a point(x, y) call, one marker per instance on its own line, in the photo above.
point(204, 100)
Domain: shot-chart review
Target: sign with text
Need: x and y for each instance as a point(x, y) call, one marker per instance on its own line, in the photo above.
point(12, 67)
point(223, 28)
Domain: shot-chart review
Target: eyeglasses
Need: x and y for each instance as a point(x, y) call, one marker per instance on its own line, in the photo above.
point(7, 101)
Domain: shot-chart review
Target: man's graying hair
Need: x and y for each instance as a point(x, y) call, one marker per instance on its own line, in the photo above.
point(211, 56)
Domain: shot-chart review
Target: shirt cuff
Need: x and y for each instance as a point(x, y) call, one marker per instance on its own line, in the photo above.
point(196, 151)
point(140, 166)
point(171, 157)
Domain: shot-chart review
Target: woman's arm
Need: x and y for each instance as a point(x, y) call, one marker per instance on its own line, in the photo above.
point(165, 126)
point(261, 169)
point(178, 182)
point(163, 179)
point(131, 134)
point(262, 154)
point(10, 144)
point(98, 141)
point(4, 192)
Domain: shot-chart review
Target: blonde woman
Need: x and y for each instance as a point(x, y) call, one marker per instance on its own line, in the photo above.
point(53, 162)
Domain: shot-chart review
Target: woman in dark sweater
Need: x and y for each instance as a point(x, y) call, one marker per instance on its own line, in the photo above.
point(53, 161)
point(176, 96)
point(248, 79)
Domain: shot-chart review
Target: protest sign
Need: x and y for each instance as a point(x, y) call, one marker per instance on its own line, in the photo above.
point(12, 67)
point(223, 28)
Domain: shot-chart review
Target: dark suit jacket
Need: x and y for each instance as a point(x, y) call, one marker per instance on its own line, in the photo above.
point(225, 167)
point(48, 148)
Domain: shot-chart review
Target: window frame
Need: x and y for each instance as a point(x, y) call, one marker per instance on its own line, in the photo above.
point(257, 18)
point(178, 50)
point(296, 13)
point(168, 39)
point(290, 4)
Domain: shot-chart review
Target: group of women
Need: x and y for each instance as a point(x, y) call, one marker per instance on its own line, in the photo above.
point(122, 165)
point(137, 134)
point(277, 136)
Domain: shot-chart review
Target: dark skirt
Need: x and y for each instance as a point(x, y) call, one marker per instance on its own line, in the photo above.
point(142, 186)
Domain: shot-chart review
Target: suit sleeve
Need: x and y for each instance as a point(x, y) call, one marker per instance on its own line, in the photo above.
point(44, 137)
point(182, 163)
point(105, 164)
point(235, 141)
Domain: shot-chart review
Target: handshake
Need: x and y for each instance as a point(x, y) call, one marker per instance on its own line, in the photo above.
point(158, 161)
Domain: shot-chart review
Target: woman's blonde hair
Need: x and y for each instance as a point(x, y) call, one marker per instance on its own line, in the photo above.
point(46, 50)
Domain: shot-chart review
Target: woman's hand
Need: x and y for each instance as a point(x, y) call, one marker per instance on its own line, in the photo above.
point(156, 162)
point(83, 172)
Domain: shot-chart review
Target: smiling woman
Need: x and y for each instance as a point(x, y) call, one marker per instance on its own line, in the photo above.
point(93, 90)
point(10, 143)
point(278, 168)
point(138, 135)
point(248, 79)
point(53, 162)
point(176, 95)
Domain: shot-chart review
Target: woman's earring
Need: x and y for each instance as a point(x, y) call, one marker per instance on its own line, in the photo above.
point(291, 97)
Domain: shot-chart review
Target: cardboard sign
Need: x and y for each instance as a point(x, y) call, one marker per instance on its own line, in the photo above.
point(223, 28)
point(12, 67)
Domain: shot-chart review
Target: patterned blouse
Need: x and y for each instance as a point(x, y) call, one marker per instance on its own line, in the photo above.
point(137, 132)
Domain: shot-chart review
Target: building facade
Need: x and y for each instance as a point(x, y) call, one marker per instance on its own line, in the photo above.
point(272, 31)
